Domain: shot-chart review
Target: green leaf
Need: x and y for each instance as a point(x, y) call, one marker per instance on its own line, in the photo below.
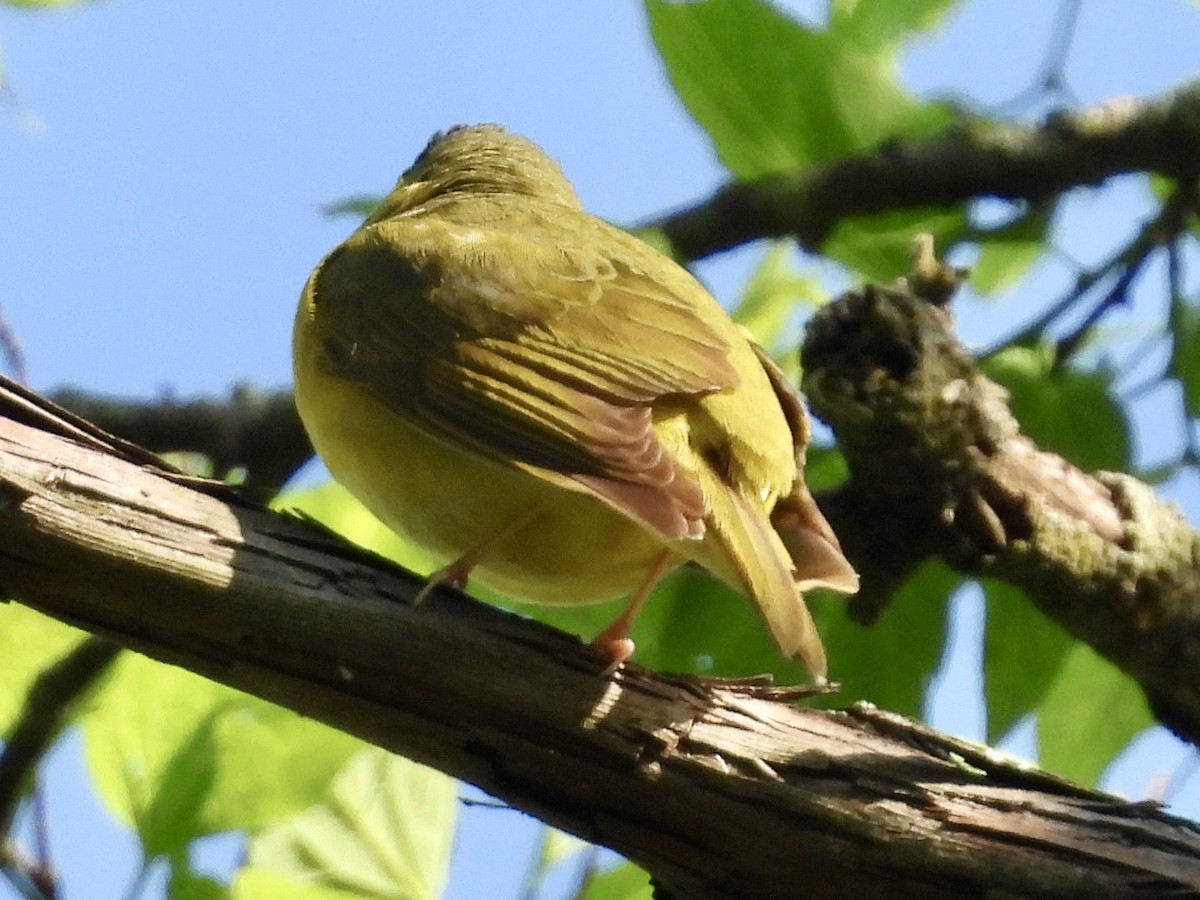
point(558, 846)
point(1089, 715)
point(253, 883)
point(333, 506)
point(879, 247)
point(657, 239)
point(891, 662)
point(150, 749)
point(695, 623)
point(880, 25)
point(1185, 353)
point(1049, 404)
point(272, 763)
point(825, 468)
point(773, 293)
point(29, 643)
point(177, 756)
point(691, 623)
point(1024, 652)
point(775, 95)
point(359, 206)
point(1163, 188)
point(624, 882)
point(386, 830)
point(185, 885)
point(1008, 252)
point(555, 847)
point(1157, 475)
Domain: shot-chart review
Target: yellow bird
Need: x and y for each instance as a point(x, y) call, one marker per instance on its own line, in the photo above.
point(551, 406)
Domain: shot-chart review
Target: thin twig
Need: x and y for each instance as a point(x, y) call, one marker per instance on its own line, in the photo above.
point(1117, 295)
point(588, 869)
point(41, 841)
point(531, 883)
point(46, 712)
point(1155, 233)
point(140, 879)
point(1175, 282)
point(22, 874)
point(1181, 776)
point(1129, 365)
point(1050, 78)
point(13, 352)
point(1163, 231)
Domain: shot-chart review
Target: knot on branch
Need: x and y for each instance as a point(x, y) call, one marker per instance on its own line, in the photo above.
point(939, 467)
point(912, 413)
point(938, 463)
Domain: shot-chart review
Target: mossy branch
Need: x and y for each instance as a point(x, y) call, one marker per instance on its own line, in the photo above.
point(940, 468)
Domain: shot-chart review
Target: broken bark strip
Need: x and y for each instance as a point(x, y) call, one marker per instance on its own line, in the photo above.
point(718, 791)
point(939, 468)
point(255, 431)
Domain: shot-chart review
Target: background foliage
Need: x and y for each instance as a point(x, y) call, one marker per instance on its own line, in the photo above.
point(177, 759)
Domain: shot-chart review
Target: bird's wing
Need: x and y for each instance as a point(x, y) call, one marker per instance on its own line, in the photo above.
point(816, 555)
point(558, 362)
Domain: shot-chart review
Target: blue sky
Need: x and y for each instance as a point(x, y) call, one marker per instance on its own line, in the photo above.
point(166, 162)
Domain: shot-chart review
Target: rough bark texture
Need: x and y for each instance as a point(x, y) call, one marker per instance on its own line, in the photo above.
point(939, 468)
point(719, 790)
point(257, 432)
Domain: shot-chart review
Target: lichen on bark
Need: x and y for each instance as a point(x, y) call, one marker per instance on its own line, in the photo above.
point(939, 467)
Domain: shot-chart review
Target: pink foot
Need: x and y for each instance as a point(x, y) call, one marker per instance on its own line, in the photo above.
point(616, 645)
point(453, 575)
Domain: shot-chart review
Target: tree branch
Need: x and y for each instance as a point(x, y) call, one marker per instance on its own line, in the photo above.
point(257, 431)
point(1123, 267)
point(44, 716)
point(938, 467)
point(717, 789)
point(974, 159)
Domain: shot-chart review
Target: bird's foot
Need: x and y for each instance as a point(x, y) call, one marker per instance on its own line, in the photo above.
point(453, 575)
point(614, 644)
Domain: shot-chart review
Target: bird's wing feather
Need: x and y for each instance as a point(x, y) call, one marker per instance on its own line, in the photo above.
point(557, 364)
point(813, 547)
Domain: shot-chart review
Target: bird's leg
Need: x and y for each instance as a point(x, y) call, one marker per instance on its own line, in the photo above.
point(614, 641)
point(456, 572)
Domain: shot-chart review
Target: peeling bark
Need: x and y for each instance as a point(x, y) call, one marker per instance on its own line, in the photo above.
point(719, 789)
point(257, 432)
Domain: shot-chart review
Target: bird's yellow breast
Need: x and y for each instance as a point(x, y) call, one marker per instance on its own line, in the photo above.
point(447, 499)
